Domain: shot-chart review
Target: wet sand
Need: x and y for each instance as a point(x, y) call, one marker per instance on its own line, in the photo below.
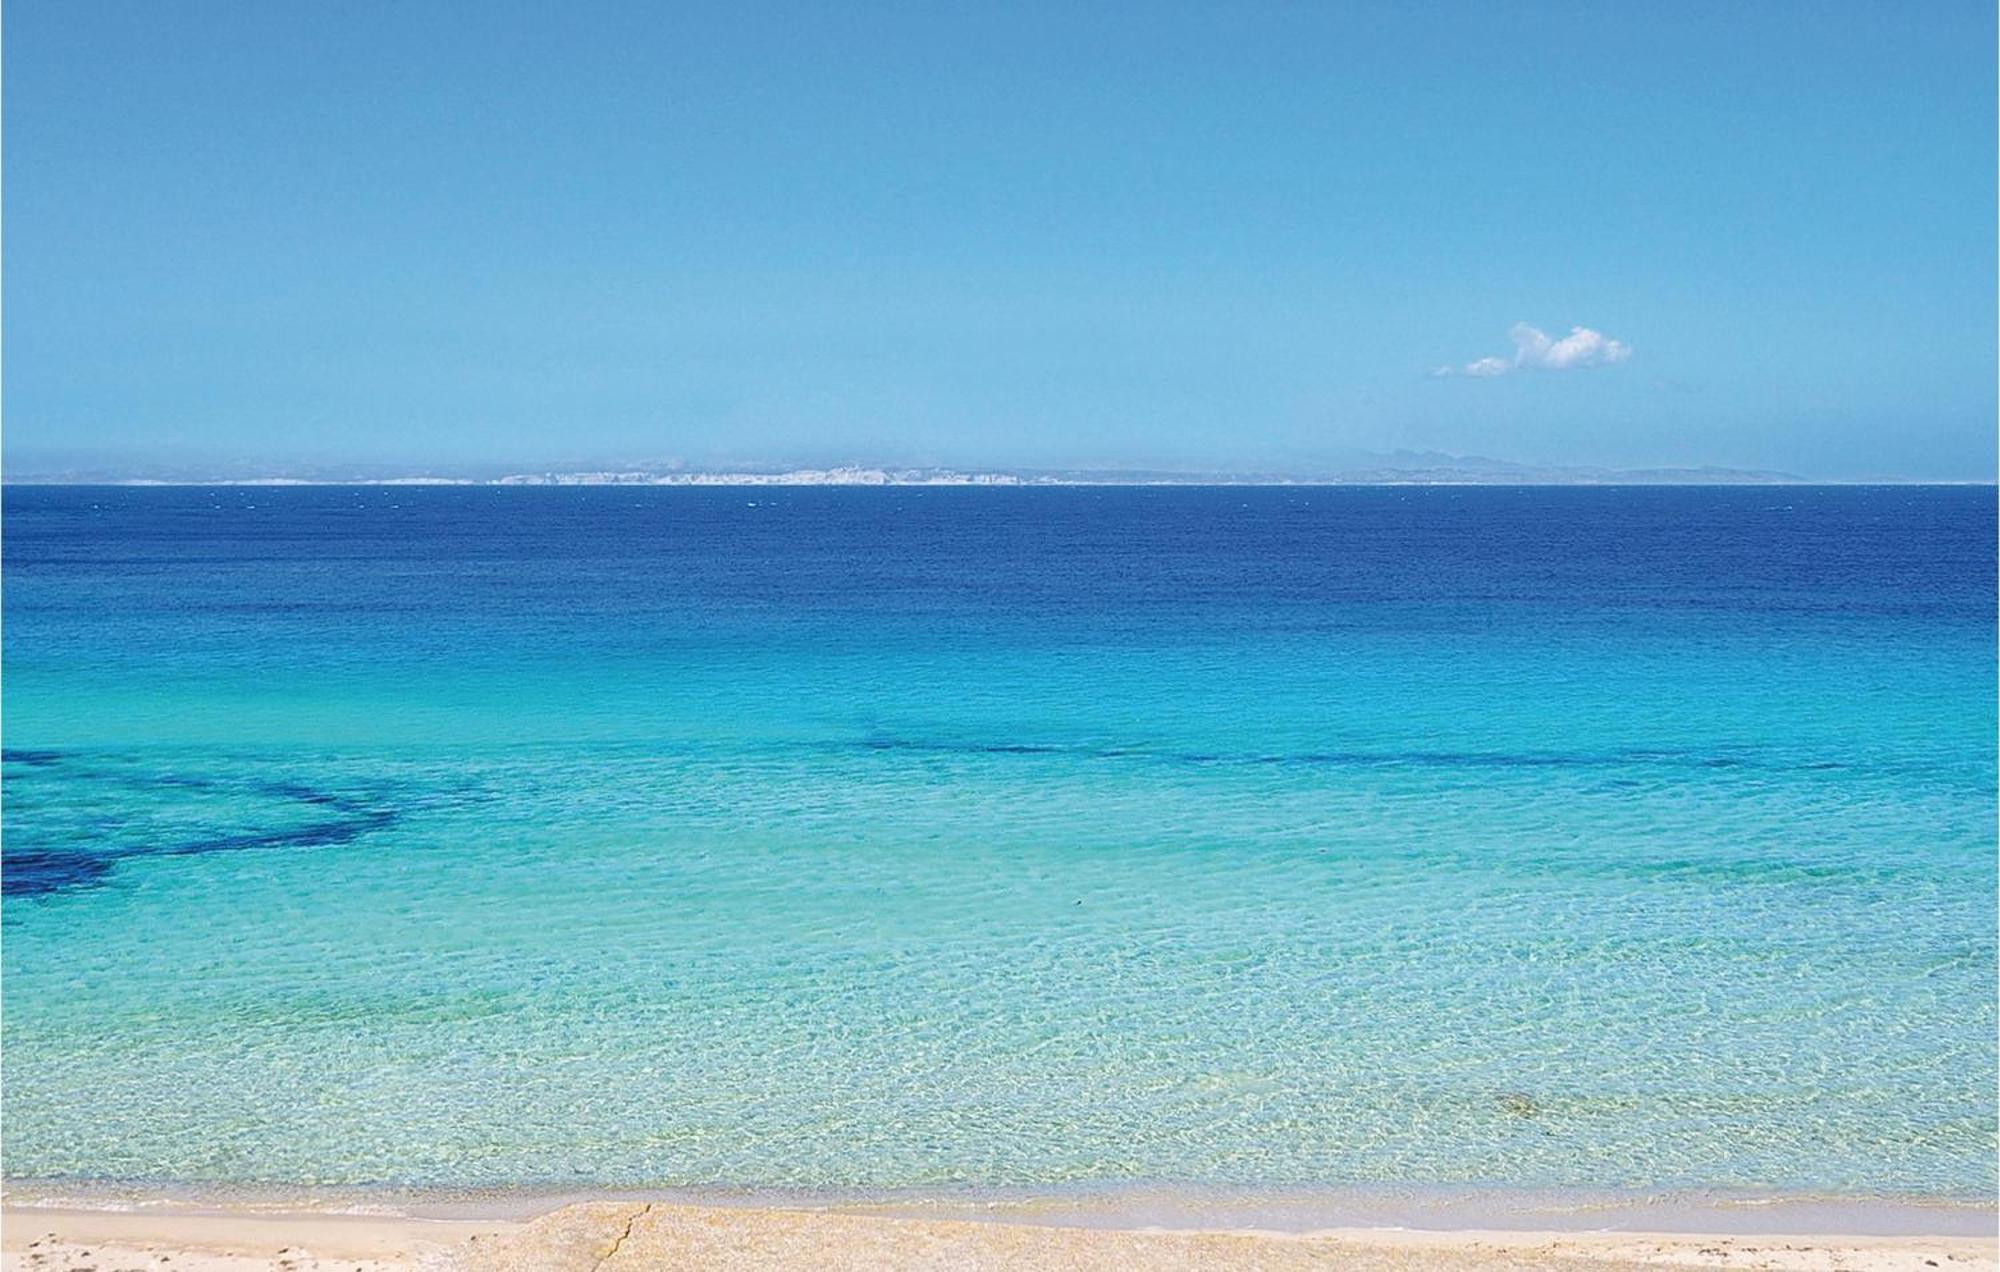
point(607, 1236)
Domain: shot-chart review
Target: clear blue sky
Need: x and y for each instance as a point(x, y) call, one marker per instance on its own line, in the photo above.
point(1231, 235)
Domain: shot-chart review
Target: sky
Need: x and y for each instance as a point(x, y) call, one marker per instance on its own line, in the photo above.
point(430, 236)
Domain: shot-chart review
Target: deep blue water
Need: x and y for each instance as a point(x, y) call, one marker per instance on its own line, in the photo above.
point(853, 839)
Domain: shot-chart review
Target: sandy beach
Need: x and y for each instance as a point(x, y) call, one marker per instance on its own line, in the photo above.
point(611, 1235)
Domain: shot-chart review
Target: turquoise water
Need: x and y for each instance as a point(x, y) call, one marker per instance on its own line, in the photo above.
point(860, 840)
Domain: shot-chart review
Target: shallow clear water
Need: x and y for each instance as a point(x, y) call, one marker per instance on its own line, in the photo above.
point(874, 839)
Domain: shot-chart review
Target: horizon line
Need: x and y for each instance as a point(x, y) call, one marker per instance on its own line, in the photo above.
point(1125, 482)
point(1401, 467)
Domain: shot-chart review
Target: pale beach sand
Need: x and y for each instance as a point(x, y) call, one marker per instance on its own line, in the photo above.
point(611, 1235)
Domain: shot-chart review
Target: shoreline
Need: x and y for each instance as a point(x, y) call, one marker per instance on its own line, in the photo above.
point(632, 1234)
point(1114, 1207)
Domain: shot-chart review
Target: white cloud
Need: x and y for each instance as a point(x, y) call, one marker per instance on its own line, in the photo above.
point(1582, 347)
point(1534, 350)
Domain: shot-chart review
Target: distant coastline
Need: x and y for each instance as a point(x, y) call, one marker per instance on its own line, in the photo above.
point(1453, 473)
point(1347, 468)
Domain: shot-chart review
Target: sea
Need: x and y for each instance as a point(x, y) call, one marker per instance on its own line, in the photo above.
point(857, 842)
